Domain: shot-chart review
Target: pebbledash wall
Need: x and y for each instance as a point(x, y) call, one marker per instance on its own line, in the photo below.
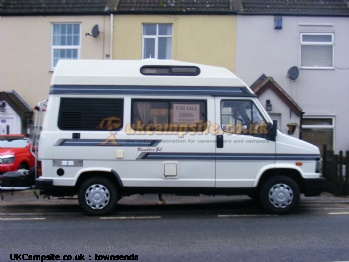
point(321, 93)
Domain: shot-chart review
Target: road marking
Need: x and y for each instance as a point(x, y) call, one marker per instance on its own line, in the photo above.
point(338, 213)
point(252, 215)
point(131, 217)
point(21, 218)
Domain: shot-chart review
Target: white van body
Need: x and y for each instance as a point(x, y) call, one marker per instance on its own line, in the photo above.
point(115, 128)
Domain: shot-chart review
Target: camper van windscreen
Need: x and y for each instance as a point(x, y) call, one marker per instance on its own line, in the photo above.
point(170, 70)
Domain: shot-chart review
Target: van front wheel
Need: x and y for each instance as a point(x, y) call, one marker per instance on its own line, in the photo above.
point(279, 195)
point(97, 196)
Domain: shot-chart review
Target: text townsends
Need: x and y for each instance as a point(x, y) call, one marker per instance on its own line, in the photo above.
point(80, 257)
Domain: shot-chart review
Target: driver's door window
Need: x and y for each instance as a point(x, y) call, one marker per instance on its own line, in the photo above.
point(242, 117)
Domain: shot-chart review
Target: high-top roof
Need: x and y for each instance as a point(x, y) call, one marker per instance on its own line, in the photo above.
point(125, 77)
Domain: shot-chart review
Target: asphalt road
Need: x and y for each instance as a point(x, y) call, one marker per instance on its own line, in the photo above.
point(184, 229)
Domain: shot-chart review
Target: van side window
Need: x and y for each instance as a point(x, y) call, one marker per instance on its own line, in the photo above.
point(169, 115)
point(98, 114)
point(242, 117)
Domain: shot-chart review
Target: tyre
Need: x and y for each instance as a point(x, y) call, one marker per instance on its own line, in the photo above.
point(98, 196)
point(279, 195)
point(253, 196)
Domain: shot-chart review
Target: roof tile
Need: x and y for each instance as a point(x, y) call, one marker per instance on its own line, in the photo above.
point(174, 6)
point(248, 7)
point(47, 7)
point(295, 7)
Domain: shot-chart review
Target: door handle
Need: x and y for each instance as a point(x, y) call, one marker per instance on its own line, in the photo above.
point(219, 141)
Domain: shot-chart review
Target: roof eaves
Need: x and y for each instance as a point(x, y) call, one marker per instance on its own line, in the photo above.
point(138, 12)
point(292, 14)
point(67, 13)
point(17, 104)
point(264, 83)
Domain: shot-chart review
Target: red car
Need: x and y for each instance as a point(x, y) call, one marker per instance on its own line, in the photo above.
point(15, 153)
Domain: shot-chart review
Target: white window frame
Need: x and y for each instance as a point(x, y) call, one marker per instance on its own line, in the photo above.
point(319, 127)
point(304, 43)
point(156, 37)
point(65, 47)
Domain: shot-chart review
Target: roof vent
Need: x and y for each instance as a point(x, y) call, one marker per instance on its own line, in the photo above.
point(293, 73)
point(170, 70)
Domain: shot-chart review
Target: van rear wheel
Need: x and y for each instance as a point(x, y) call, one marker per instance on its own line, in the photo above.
point(279, 195)
point(97, 196)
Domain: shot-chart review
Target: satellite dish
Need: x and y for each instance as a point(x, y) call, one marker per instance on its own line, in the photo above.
point(95, 32)
point(293, 73)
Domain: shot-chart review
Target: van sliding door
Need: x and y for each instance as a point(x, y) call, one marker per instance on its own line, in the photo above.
point(173, 148)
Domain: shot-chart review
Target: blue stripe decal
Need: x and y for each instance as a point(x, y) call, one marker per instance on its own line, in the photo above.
point(226, 156)
point(303, 157)
point(107, 142)
point(183, 156)
point(151, 90)
point(176, 156)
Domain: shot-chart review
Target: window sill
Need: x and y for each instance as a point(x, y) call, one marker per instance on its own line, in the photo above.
point(317, 68)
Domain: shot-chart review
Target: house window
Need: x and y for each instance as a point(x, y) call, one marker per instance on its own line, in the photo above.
point(157, 41)
point(65, 42)
point(318, 131)
point(317, 50)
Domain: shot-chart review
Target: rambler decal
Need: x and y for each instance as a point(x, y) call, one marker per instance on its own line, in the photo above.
point(149, 149)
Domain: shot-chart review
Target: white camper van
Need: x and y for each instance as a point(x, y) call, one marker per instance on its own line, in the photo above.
point(116, 128)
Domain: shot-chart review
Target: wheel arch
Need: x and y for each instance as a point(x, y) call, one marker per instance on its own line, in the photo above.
point(110, 174)
point(25, 163)
point(289, 172)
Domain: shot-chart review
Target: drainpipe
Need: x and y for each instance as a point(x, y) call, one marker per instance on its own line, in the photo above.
point(111, 36)
point(300, 125)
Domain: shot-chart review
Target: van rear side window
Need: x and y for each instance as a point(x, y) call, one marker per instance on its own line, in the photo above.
point(98, 114)
point(169, 115)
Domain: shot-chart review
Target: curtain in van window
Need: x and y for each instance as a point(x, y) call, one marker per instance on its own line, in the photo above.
point(143, 109)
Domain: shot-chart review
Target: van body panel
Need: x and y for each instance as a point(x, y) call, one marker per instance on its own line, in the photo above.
point(171, 132)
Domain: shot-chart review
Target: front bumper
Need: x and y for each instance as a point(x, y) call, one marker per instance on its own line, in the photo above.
point(7, 168)
point(314, 186)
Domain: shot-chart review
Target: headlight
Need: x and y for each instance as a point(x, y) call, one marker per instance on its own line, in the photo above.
point(7, 159)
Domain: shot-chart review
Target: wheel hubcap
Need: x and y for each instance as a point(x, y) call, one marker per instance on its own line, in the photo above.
point(281, 196)
point(97, 196)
